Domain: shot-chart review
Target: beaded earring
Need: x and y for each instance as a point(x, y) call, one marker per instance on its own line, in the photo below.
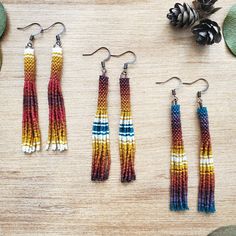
point(178, 162)
point(206, 192)
point(31, 137)
point(126, 129)
point(57, 133)
point(101, 158)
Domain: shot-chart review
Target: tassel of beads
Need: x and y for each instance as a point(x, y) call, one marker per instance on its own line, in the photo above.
point(101, 159)
point(126, 134)
point(206, 198)
point(179, 168)
point(30, 126)
point(57, 134)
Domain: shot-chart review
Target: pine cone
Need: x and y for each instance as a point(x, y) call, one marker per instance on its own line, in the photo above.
point(205, 7)
point(207, 32)
point(182, 15)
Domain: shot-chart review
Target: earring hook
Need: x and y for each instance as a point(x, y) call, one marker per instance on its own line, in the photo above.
point(58, 35)
point(57, 23)
point(199, 93)
point(32, 36)
point(175, 99)
point(175, 77)
point(103, 63)
point(126, 64)
point(201, 79)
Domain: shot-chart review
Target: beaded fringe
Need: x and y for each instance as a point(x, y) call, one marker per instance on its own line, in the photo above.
point(179, 168)
point(126, 134)
point(101, 146)
point(31, 138)
point(57, 134)
point(206, 198)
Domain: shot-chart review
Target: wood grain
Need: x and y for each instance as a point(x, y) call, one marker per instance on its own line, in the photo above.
point(51, 194)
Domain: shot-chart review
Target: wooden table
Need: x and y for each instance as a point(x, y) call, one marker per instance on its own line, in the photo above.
point(51, 194)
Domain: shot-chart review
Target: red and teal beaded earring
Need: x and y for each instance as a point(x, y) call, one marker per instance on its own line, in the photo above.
point(126, 129)
point(206, 192)
point(101, 158)
point(31, 136)
point(178, 161)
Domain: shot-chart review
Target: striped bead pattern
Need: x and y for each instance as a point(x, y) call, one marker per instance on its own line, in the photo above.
point(206, 198)
point(126, 134)
point(179, 165)
point(31, 137)
point(101, 145)
point(57, 134)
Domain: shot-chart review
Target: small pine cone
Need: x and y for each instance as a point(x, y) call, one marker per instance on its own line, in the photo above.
point(182, 15)
point(205, 7)
point(207, 32)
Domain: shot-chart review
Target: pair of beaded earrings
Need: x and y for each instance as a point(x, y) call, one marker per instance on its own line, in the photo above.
point(101, 158)
point(57, 135)
point(179, 165)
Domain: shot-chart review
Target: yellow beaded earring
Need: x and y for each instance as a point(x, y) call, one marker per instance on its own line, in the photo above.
point(57, 133)
point(31, 138)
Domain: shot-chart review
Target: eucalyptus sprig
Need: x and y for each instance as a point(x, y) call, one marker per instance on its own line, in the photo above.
point(3, 24)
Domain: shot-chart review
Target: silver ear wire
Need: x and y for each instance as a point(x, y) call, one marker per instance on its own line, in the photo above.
point(32, 36)
point(58, 36)
point(126, 64)
point(173, 91)
point(199, 93)
point(103, 63)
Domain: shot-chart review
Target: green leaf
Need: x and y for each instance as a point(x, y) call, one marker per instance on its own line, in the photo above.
point(224, 231)
point(3, 20)
point(0, 58)
point(229, 30)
